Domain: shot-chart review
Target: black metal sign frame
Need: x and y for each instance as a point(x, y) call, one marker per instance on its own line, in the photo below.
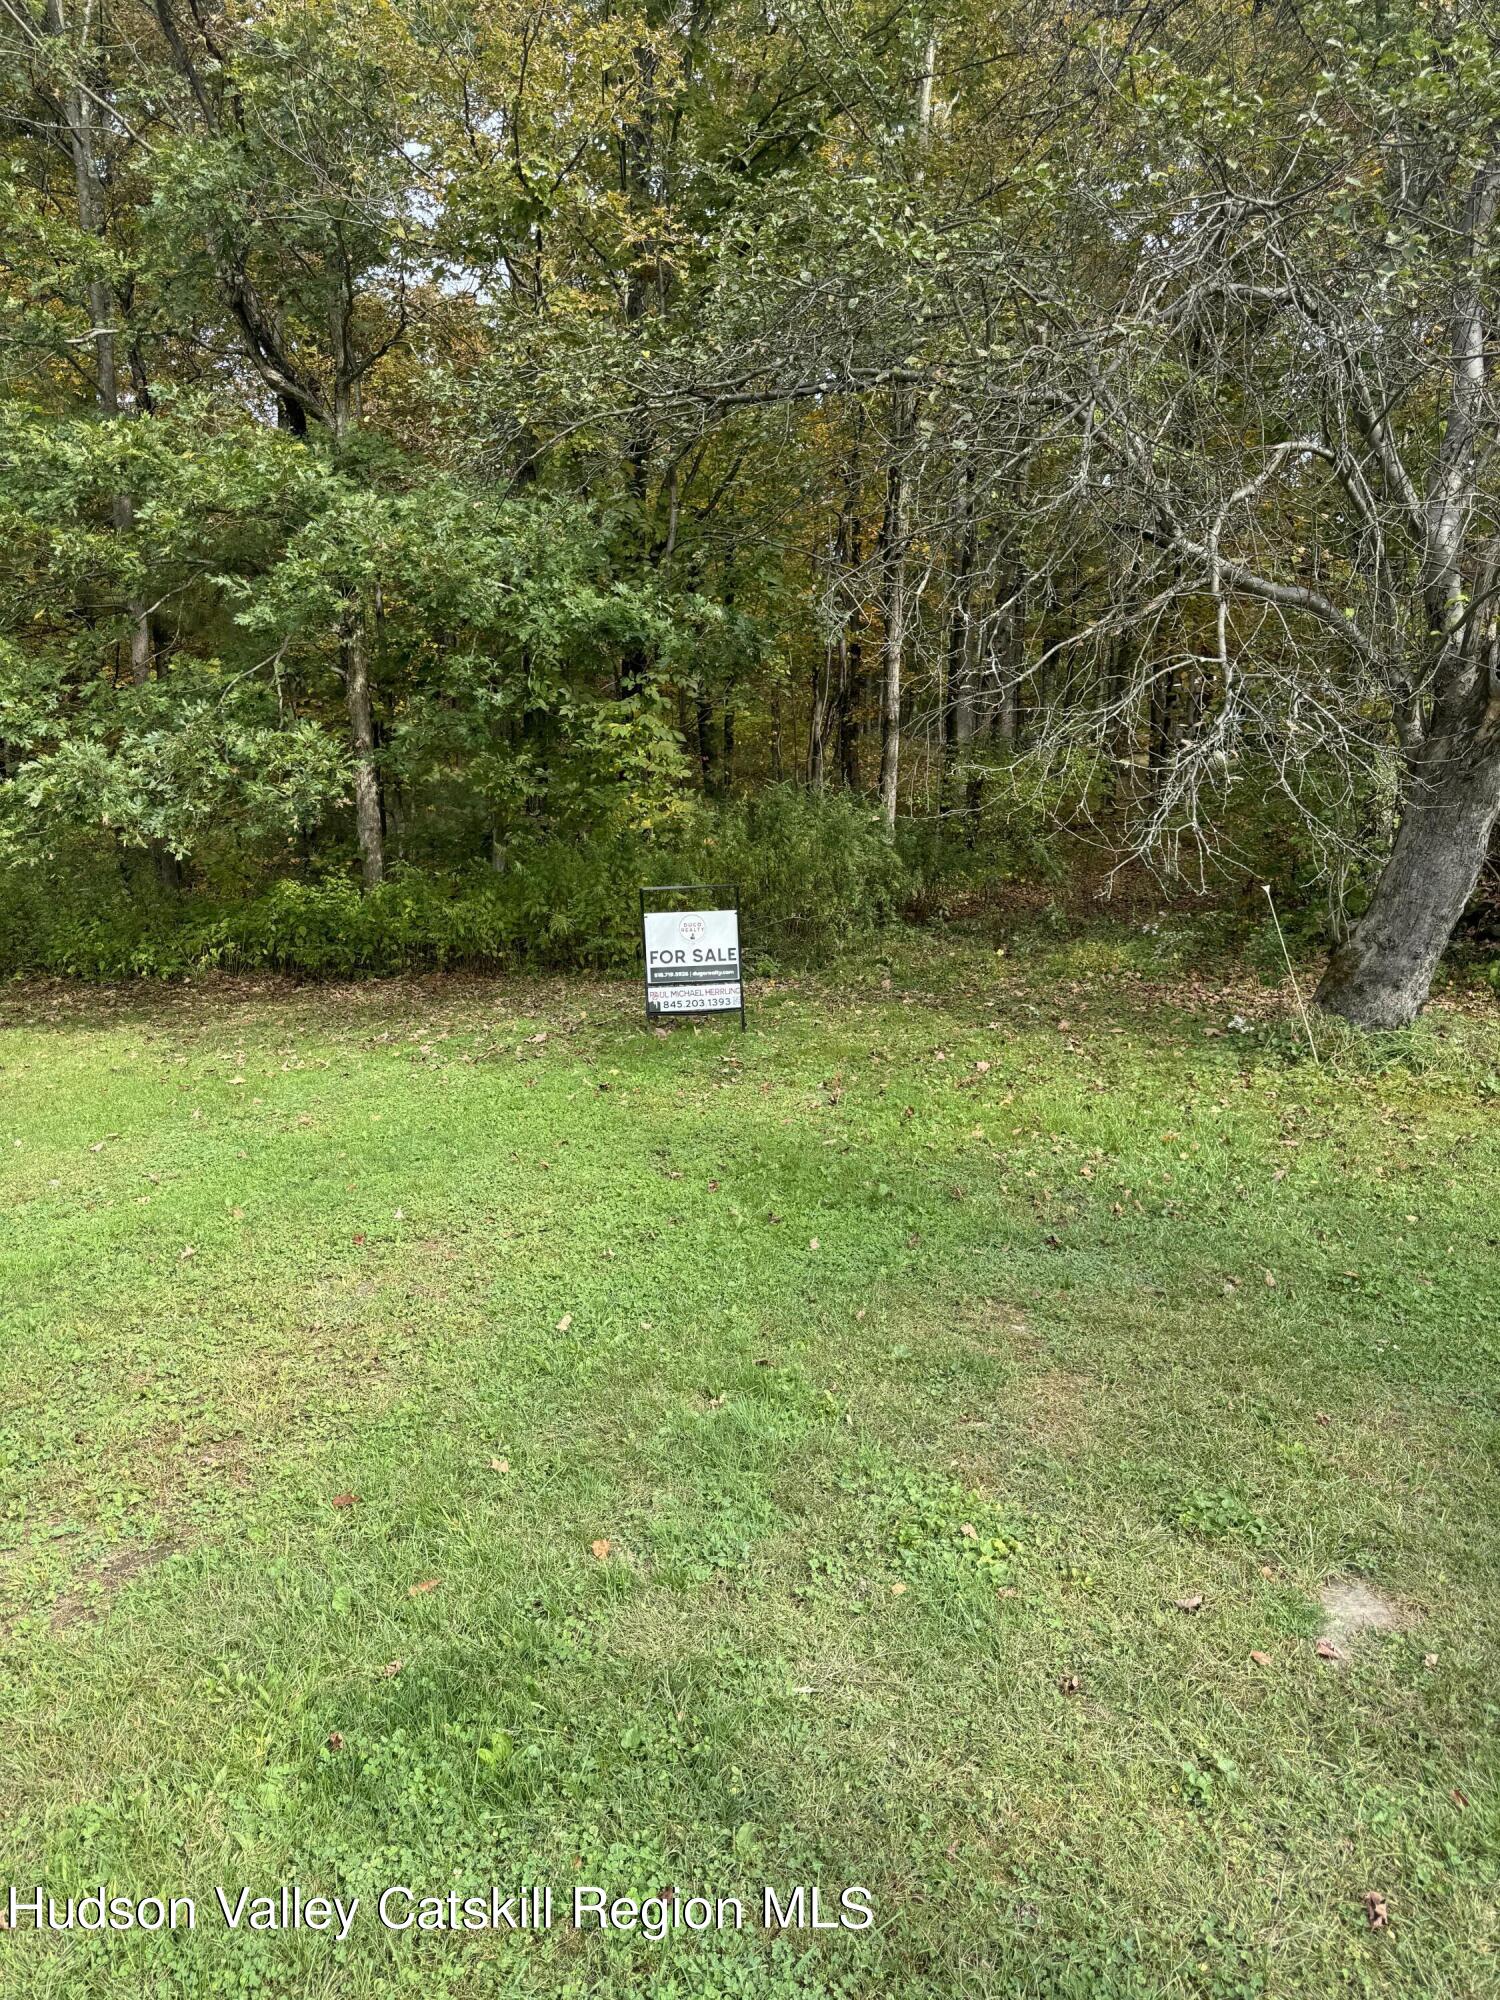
point(729, 889)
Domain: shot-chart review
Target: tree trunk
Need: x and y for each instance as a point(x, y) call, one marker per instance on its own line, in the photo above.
point(1120, 727)
point(367, 820)
point(961, 692)
point(1161, 731)
point(79, 112)
point(1382, 977)
point(893, 641)
point(851, 696)
point(825, 679)
point(894, 532)
point(1008, 660)
point(708, 749)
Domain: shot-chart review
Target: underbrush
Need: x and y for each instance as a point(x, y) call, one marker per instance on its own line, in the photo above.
point(812, 874)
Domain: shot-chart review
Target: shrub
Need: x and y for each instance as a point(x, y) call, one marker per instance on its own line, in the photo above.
point(813, 873)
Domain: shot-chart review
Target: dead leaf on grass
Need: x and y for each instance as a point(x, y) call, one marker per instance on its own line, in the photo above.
point(565, 1322)
point(599, 1550)
point(345, 1500)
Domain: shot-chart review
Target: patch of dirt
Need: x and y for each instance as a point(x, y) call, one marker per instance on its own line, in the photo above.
point(993, 1327)
point(1054, 1411)
point(1057, 1407)
point(1350, 1608)
point(85, 1605)
point(226, 1458)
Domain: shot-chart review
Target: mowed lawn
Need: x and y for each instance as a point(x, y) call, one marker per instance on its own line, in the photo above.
point(704, 1460)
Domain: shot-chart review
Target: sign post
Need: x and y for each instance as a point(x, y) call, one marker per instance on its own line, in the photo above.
point(692, 957)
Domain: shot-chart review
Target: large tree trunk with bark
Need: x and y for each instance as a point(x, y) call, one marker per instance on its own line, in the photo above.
point(1381, 978)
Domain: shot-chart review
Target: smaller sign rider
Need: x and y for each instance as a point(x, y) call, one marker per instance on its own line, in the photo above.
point(692, 957)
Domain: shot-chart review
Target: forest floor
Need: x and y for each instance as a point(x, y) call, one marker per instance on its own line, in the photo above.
point(1007, 1432)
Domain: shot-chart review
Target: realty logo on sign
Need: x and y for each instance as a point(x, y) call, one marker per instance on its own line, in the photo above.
point(692, 958)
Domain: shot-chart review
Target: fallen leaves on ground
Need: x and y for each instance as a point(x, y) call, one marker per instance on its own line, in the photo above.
point(599, 1550)
point(345, 1500)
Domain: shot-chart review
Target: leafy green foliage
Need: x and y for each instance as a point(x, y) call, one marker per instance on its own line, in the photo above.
point(812, 874)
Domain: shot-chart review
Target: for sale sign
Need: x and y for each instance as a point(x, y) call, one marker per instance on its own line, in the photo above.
point(693, 962)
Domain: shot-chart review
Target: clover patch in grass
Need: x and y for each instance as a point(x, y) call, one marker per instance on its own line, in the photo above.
point(1218, 1514)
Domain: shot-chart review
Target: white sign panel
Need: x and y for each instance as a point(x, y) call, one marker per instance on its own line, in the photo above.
point(693, 962)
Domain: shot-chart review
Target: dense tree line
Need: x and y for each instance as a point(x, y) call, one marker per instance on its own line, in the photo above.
point(432, 426)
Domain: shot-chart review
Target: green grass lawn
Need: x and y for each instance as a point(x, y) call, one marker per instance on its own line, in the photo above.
point(806, 1436)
